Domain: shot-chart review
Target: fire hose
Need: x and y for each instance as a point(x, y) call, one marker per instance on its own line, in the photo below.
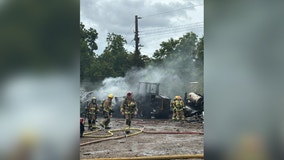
point(159, 132)
point(140, 130)
point(110, 134)
point(186, 156)
point(108, 137)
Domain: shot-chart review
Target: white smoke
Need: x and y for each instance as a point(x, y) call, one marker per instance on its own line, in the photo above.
point(171, 76)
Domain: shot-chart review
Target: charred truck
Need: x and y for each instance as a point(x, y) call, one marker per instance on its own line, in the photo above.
point(194, 106)
point(150, 102)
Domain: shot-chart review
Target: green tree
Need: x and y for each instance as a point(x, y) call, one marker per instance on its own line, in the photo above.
point(199, 64)
point(136, 60)
point(187, 45)
point(200, 50)
point(167, 49)
point(186, 48)
point(184, 54)
point(87, 54)
point(115, 59)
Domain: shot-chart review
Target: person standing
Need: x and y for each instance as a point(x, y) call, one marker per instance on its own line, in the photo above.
point(82, 127)
point(128, 109)
point(174, 109)
point(93, 110)
point(107, 111)
point(179, 105)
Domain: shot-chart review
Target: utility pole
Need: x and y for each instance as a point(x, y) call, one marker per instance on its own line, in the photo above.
point(137, 61)
point(136, 38)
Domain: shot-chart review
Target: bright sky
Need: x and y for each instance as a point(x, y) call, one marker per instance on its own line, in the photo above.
point(160, 20)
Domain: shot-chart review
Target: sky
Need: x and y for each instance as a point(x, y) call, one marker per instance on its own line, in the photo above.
point(160, 20)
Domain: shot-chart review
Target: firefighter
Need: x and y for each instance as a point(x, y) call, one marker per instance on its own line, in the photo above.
point(107, 111)
point(180, 107)
point(93, 110)
point(82, 128)
point(128, 109)
point(173, 106)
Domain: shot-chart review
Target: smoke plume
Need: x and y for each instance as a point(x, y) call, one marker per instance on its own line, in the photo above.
point(174, 76)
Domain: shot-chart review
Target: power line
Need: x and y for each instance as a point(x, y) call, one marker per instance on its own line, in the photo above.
point(174, 33)
point(172, 10)
point(171, 30)
point(130, 29)
point(161, 29)
point(176, 26)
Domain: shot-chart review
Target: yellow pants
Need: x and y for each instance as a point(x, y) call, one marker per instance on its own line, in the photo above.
point(106, 121)
point(180, 115)
point(174, 116)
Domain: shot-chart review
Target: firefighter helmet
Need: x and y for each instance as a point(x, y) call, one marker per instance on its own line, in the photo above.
point(110, 96)
point(129, 93)
point(94, 98)
point(81, 120)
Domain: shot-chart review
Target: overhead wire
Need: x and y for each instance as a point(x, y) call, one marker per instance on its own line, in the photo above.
point(161, 31)
point(158, 32)
point(170, 27)
point(130, 31)
point(172, 10)
point(176, 29)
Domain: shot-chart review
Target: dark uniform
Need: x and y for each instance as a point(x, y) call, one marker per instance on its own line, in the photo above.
point(93, 110)
point(82, 128)
point(128, 108)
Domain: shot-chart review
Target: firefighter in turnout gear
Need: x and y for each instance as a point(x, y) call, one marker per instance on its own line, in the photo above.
point(93, 110)
point(174, 109)
point(180, 107)
point(82, 127)
point(107, 111)
point(128, 109)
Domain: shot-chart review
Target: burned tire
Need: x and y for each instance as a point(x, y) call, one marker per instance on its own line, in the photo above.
point(144, 114)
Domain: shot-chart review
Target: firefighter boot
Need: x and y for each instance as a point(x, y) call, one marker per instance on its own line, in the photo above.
point(107, 123)
point(93, 124)
point(127, 128)
point(101, 124)
point(90, 125)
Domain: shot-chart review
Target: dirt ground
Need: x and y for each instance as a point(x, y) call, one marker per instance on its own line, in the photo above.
point(165, 141)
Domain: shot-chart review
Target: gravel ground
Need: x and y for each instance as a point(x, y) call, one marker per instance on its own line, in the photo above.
point(145, 144)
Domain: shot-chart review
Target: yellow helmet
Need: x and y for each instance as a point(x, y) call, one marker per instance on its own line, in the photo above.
point(94, 98)
point(110, 96)
point(176, 97)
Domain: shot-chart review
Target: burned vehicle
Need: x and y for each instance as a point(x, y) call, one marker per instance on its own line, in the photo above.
point(149, 102)
point(194, 106)
point(84, 99)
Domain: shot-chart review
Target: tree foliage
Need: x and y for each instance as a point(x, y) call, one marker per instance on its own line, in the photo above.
point(87, 54)
point(167, 49)
point(115, 60)
point(187, 51)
